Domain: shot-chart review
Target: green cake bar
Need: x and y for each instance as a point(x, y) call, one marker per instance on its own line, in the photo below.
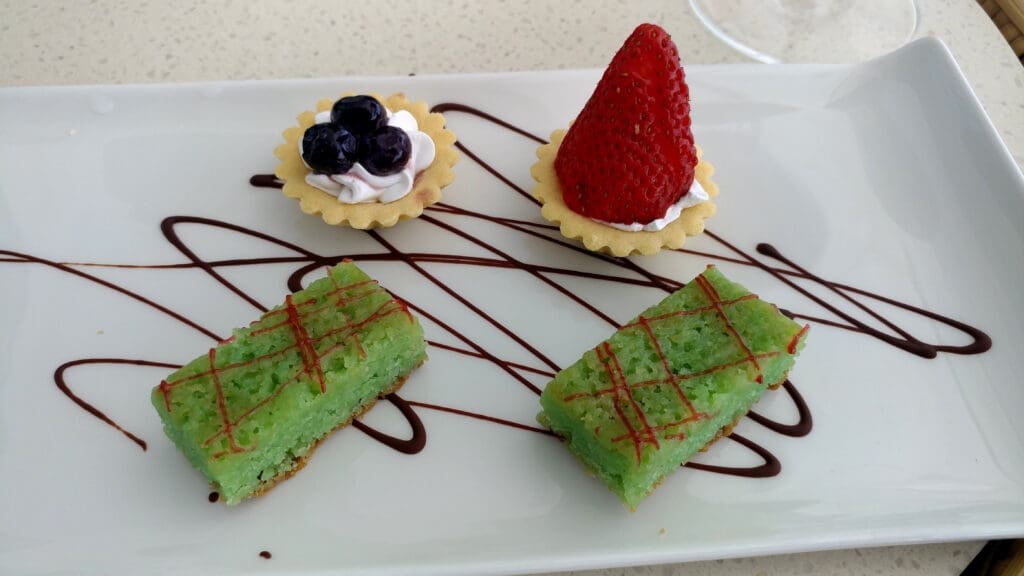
point(250, 411)
point(666, 384)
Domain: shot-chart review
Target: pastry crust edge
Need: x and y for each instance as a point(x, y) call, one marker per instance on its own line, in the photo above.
point(602, 238)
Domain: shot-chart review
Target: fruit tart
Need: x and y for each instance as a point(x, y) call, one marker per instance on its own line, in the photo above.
point(626, 177)
point(366, 161)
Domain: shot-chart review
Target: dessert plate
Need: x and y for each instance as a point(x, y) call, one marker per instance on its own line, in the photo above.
point(873, 201)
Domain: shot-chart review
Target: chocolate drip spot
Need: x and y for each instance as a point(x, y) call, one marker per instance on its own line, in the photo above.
point(265, 181)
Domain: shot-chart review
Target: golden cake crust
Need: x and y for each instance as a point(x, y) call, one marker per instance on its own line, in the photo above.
point(426, 189)
point(603, 238)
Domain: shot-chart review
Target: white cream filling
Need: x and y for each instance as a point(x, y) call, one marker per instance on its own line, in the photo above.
point(697, 195)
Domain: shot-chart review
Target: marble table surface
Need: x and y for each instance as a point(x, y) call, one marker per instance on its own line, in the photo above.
point(103, 41)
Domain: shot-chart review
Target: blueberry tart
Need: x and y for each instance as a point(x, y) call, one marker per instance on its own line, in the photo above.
point(366, 161)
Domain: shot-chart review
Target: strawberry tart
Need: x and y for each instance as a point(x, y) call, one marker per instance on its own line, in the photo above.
point(626, 177)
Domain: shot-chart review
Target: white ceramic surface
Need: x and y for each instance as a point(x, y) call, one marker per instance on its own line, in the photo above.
point(885, 176)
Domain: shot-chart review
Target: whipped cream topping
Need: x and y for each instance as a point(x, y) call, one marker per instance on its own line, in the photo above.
point(358, 186)
point(697, 195)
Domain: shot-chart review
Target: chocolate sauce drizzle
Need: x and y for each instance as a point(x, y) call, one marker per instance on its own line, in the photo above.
point(309, 261)
point(62, 385)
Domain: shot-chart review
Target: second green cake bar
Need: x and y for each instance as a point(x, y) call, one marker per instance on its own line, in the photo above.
point(248, 412)
point(641, 403)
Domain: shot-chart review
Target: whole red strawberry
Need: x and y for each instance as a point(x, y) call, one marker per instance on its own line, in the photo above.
point(629, 155)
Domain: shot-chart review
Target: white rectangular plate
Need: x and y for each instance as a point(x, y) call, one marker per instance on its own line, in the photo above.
point(884, 177)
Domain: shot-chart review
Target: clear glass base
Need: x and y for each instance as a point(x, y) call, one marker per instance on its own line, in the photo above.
point(774, 31)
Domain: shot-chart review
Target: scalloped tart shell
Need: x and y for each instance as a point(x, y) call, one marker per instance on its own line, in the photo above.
point(426, 189)
point(599, 237)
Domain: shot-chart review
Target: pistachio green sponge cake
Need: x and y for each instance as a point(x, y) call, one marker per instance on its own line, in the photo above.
point(669, 382)
point(250, 411)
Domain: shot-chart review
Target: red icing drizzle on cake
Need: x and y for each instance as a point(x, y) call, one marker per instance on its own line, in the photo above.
point(620, 384)
point(673, 378)
point(791, 348)
point(310, 360)
point(349, 330)
point(308, 261)
point(222, 407)
point(342, 302)
point(716, 302)
point(606, 356)
point(619, 387)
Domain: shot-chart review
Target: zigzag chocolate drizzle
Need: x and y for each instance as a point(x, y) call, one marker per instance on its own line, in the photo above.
point(308, 261)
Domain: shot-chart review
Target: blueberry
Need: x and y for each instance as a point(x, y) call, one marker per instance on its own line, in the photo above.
point(329, 149)
point(359, 114)
point(386, 151)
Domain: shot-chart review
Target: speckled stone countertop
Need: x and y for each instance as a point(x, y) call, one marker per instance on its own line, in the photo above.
point(102, 41)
